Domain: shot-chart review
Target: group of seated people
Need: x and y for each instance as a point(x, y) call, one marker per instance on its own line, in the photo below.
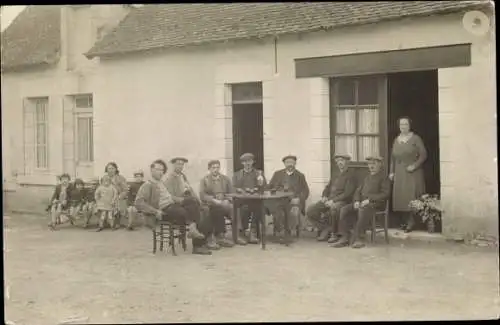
point(344, 206)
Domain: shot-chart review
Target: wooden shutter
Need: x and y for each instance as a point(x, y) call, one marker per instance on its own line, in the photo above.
point(29, 136)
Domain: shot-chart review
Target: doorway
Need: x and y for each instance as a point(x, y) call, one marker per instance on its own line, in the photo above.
point(248, 130)
point(415, 95)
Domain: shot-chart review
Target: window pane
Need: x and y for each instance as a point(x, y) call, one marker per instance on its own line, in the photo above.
point(346, 92)
point(367, 91)
point(368, 146)
point(41, 134)
point(41, 111)
point(251, 91)
point(41, 157)
point(368, 121)
point(83, 101)
point(346, 145)
point(346, 121)
point(83, 139)
point(91, 140)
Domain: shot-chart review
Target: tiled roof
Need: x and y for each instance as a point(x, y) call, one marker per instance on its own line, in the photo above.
point(34, 37)
point(173, 25)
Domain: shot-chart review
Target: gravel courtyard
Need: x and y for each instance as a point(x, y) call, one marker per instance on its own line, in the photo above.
point(112, 277)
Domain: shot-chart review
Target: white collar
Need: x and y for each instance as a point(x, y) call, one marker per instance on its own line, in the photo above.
point(289, 173)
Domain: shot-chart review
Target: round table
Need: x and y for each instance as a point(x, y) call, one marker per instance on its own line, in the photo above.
point(239, 199)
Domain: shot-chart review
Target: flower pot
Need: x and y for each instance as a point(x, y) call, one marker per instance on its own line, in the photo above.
point(431, 225)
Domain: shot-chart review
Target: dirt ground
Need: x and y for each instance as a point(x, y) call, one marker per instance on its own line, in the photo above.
point(112, 277)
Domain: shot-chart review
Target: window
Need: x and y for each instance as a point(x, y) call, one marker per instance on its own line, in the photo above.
point(41, 132)
point(356, 112)
point(245, 93)
point(84, 128)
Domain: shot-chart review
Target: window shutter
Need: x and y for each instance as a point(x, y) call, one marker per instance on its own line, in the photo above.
point(68, 137)
point(29, 137)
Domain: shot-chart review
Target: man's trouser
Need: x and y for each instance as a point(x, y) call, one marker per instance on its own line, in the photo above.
point(357, 220)
point(246, 210)
point(277, 209)
point(218, 214)
point(321, 216)
point(188, 212)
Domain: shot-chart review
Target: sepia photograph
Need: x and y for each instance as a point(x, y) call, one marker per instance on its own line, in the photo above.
point(249, 162)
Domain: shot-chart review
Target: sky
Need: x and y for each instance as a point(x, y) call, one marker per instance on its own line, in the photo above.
point(8, 14)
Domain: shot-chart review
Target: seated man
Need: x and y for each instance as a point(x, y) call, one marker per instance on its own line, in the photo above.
point(153, 198)
point(369, 198)
point(132, 193)
point(288, 179)
point(214, 188)
point(244, 180)
point(337, 193)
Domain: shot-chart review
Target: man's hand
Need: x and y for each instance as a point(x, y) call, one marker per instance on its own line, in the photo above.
point(324, 199)
point(216, 201)
point(410, 168)
point(239, 190)
point(391, 176)
point(329, 203)
point(365, 203)
point(295, 200)
point(158, 214)
point(55, 201)
point(219, 196)
point(356, 205)
point(64, 202)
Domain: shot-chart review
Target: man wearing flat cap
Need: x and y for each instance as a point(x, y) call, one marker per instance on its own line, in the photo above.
point(369, 198)
point(244, 180)
point(288, 179)
point(214, 189)
point(337, 193)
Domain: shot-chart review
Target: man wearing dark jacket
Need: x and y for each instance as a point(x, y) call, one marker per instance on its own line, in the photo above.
point(369, 198)
point(291, 180)
point(337, 193)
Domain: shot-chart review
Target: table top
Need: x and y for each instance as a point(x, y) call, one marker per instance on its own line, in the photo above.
point(264, 196)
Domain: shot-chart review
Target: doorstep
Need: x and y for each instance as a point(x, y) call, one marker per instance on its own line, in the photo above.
point(416, 235)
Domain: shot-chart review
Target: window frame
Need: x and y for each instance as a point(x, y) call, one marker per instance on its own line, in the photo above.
point(34, 101)
point(83, 112)
point(382, 95)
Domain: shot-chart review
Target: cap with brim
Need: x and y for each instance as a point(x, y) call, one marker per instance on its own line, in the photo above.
point(289, 157)
point(213, 162)
point(346, 157)
point(374, 158)
point(247, 156)
point(139, 173)
point(176, 159)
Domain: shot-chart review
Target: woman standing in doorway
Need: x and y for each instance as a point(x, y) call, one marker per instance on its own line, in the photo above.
point(120, 183)
point(408, 155)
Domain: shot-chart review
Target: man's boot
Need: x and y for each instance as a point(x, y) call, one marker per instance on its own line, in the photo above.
point(223, 241)
point(193, 232)
point(333, 238)
point(240, 240)
point(211, 244)
point(325, 233)
point(253, 237)
point(343, 242)
point(201, 250)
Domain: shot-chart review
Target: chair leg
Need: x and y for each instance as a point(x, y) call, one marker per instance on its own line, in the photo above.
point(386, 227)
point(155, 238)
point(184, 237)
point(162, 238)
point(374, 228)
point(171, 239)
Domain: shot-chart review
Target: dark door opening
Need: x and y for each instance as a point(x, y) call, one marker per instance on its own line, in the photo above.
point(415, 94)
point(248, 131)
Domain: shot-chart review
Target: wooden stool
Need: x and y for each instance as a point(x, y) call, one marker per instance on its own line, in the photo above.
point(165, 232)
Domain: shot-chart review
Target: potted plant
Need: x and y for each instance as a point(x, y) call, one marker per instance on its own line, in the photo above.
point(429, 209)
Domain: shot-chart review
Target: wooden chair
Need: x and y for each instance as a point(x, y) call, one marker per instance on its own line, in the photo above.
point(385, 227)
point(165, 232)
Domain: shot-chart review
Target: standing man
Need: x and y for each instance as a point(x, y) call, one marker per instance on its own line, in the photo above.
point(291, 180)
point(154, 198)
point(369, 198)
point(337, 193)
point(214, 189)
point(247, 179)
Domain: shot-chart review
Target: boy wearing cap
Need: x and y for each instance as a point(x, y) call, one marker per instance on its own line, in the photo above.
point(288, 179)
point(337, 193)
point(244, 180)
point(59, 200)
point(214, 188)
point(369, 198)
point(132, 193)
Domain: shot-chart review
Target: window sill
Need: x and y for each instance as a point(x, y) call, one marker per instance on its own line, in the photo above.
point(41, 179)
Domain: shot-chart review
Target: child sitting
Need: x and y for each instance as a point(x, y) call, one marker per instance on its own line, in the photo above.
point(90, 199)
point(59, 200)
point(77, 199)
point(132, 193)
point(106, 197)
